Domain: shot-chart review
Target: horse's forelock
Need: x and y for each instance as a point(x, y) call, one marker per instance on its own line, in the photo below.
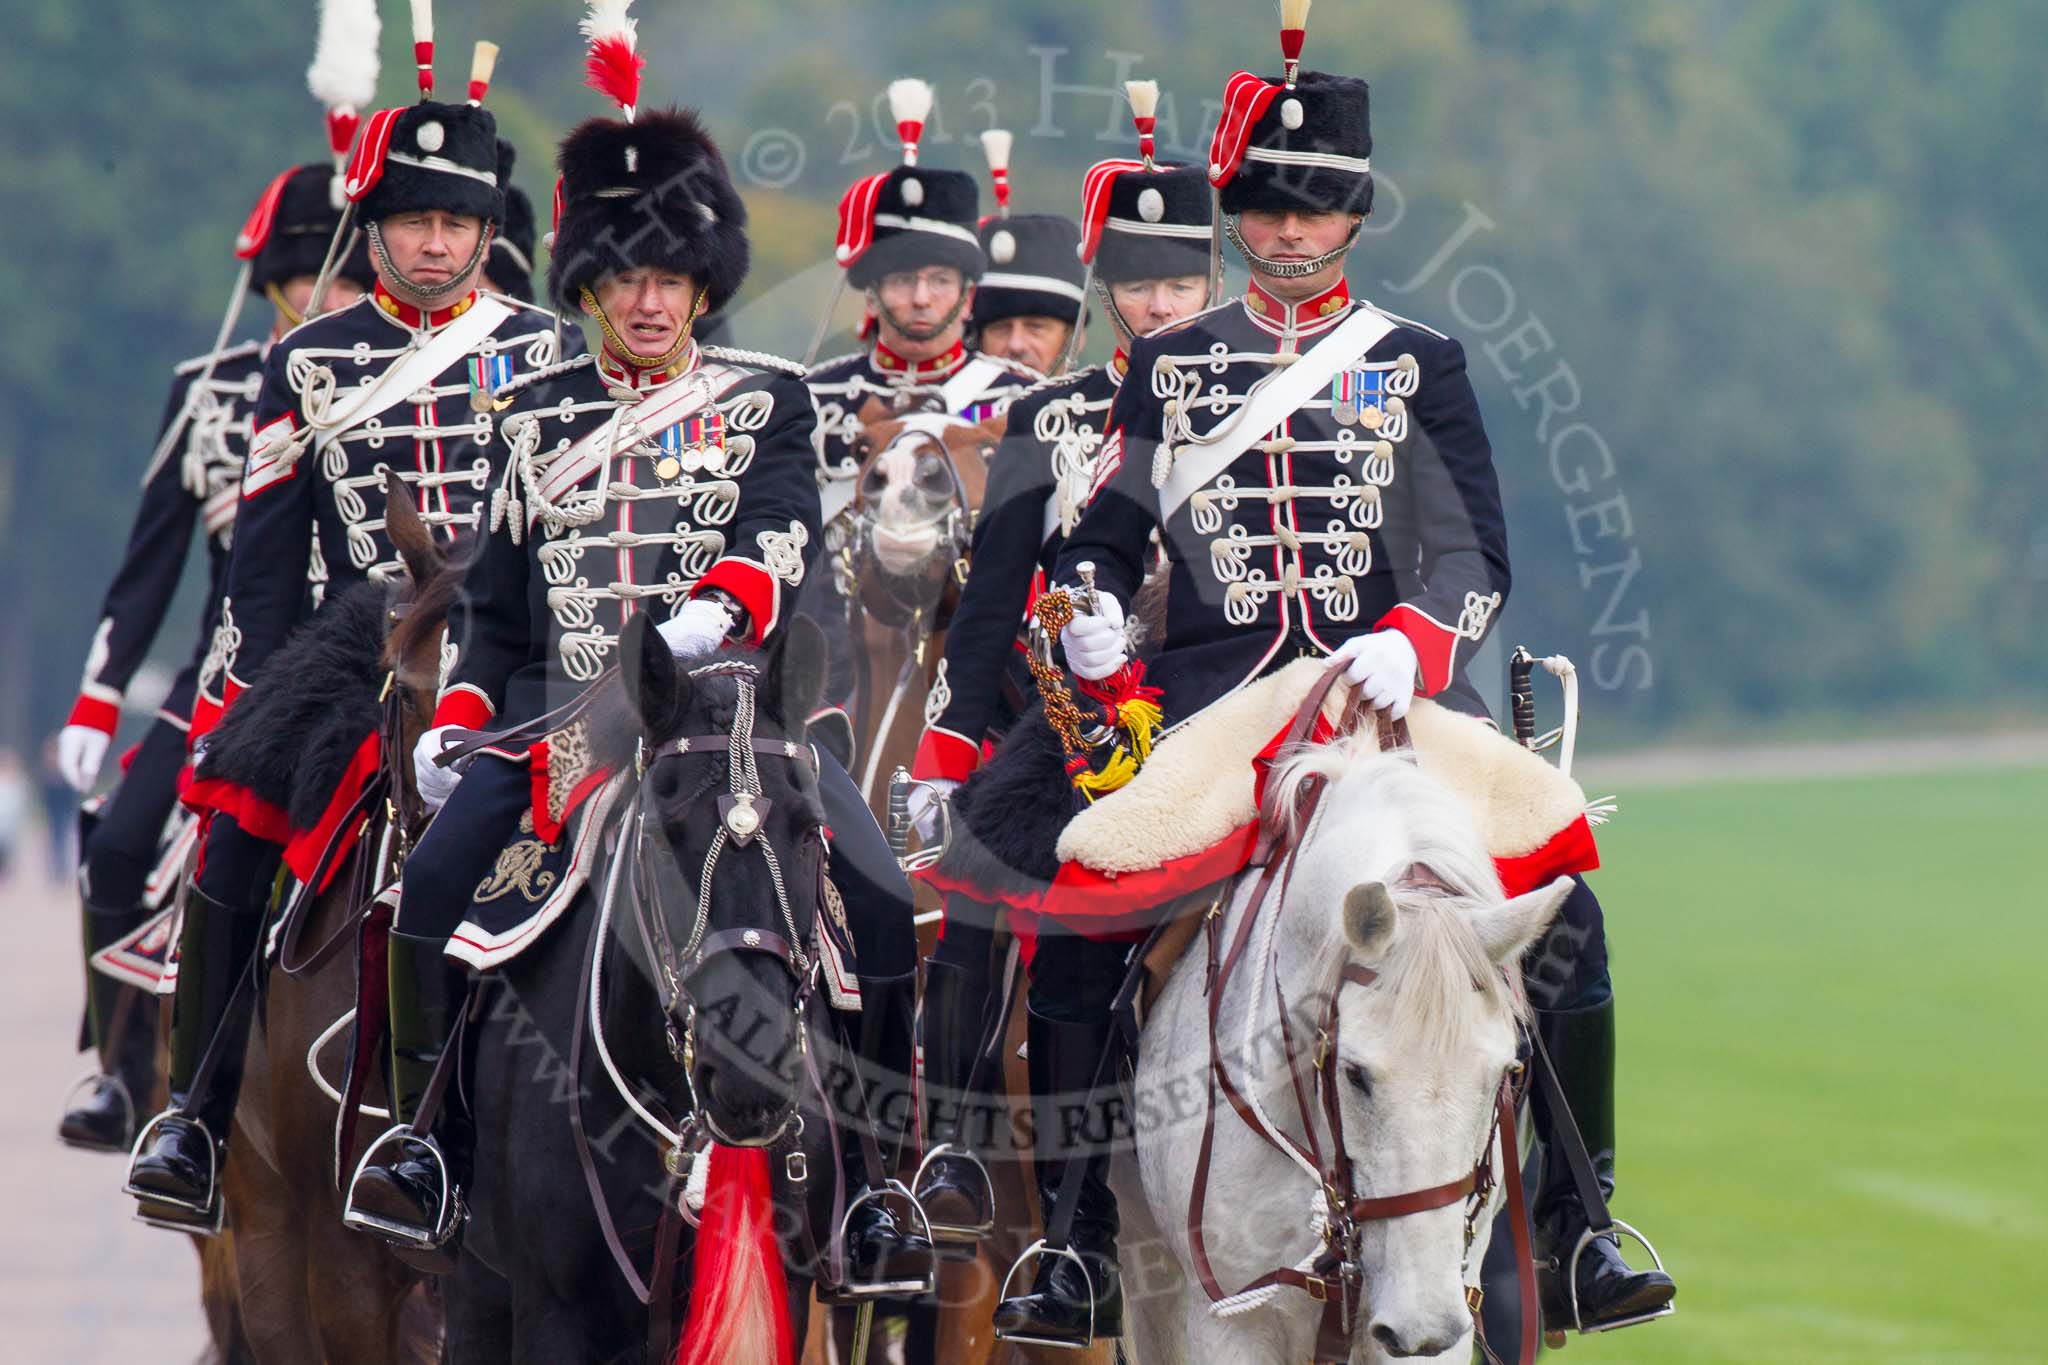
point(1437, 959)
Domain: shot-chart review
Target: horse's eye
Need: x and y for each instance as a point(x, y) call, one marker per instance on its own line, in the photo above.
point(1358, 1078)
point(874, 481)
point(932, 478)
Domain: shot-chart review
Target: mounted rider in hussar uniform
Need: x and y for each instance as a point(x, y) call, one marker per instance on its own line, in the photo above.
point(194, 479)
point(390, 383)
point(1145, 248)
point(657, 475)
point(1319, 478)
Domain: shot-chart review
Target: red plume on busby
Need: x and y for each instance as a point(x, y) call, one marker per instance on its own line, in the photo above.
point(995, 145)
point(651, 190)
point(483, 64)
point(423, 45)
point(614, 65)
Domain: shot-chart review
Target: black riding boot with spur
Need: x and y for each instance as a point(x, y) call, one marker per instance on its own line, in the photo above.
point(1608, 1292)
point(122, 1021)
point(884, 1258)
point(952, 1184)
point(175, 1175)
point(1076, 1291)
point(408, 1189)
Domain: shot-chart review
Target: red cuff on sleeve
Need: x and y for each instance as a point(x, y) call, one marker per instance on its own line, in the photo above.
point(465, 707)
point(1436, 645)
point(95, 713)
point(759, 591)
point(941, 753)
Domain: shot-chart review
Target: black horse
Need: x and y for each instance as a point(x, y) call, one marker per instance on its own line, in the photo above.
point(711, 1016)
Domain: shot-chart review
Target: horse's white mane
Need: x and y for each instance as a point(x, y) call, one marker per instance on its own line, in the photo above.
point(1436, 959)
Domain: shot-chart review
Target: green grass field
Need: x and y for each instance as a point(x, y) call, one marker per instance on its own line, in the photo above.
point(1834, 1037)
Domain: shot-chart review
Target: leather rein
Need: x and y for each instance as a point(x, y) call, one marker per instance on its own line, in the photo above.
point(1334, 1278)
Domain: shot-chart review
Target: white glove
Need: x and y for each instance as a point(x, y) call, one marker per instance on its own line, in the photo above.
point(699, 626)
point(80, 751)
point(1383, 665)
point(433, 782)
point(924, 805)
point(1095, 644)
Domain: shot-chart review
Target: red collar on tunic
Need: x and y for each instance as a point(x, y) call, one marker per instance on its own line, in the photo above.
point(402, 312)
point(617, 371)
point(1308, 316)
point(920, 371)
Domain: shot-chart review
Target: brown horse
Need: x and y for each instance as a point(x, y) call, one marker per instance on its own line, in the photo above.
point(920, 486)
point(307, 1288)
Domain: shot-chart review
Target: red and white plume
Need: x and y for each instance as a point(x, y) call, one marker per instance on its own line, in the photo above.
point(423, 44)
point(1293, 33)
point(995, 145)
point(483, 63)
point(614, 66)
point(1144, 96)
point(910, 104)
point(343, 76)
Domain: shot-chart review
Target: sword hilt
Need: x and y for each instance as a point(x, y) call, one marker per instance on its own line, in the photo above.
point(1089, 600)
point(1522, 695)
point(899, 813)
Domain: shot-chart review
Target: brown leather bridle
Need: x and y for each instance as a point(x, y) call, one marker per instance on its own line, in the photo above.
point(1335, 1278)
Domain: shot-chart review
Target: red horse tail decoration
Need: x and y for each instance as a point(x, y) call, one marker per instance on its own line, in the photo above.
point(739, 1297)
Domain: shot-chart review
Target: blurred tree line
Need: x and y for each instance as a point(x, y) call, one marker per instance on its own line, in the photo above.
point(1753, 290)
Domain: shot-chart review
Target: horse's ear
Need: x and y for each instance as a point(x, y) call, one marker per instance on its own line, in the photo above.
point(1506, 929)
point(795, 670)
point(1370, 919)
point(659, 690)
point(410, 536)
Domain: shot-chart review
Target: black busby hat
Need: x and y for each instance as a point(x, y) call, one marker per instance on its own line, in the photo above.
point(1309, 146)
point(653, 192)
point(912, 216)
point(511, 263)
point(1302, 142)
point(1034, 269)
point(428, 156)
point(288, 232)
point(1142, 220)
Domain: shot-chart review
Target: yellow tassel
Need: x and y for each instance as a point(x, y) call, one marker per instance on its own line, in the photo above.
point(1120, 769)
point(1140, 719)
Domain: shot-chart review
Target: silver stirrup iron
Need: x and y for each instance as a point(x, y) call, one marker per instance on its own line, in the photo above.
point(887, 1288)
point(1586, 1239)
point(447, 1217)
point(946, 1231)
point(161, 1210)
point(1031, 1253)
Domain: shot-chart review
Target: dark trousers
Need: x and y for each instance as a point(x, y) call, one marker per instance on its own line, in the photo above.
point(481, 818)
point(236, 868)
point(123, 848)
point(1566, 969)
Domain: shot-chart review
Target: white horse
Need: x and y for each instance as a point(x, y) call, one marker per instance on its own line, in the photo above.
point(1423, 1046)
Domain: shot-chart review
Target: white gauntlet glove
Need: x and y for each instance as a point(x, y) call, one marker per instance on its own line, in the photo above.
point(433, 782)
point(1095, 644)
point(80, 751)
point(1383, 665)
point(699, 626)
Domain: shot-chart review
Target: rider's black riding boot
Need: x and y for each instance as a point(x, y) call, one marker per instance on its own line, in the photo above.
point(883, 1257)
point(952, 1184)
point(407, 1191)
point(122, 1020)
point(1581, 1047)
point(1071, 1301)
point(180, 1165)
